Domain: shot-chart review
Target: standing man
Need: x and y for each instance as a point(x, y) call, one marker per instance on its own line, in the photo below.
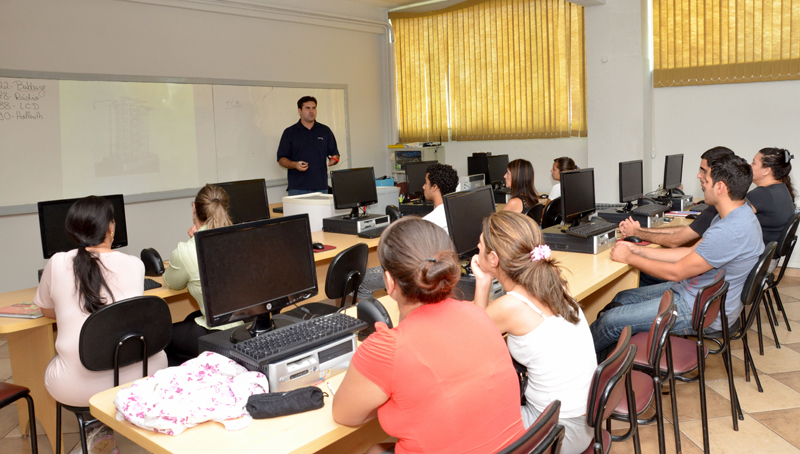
point(304, 149)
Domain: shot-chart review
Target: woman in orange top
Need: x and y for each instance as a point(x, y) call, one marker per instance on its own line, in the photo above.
point(442, 380)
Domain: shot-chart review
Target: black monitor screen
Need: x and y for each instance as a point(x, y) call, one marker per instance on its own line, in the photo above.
point(498, 165)
point(256, 268)
point(248, 200)
point(465, 212)
point(353, 188)
point(673, 171)
point(415, 176)
point(52, 225)
point(631, 182)
point(577, 193)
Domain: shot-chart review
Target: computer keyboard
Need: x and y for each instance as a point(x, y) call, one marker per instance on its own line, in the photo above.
point(295, 339)
point(651, 209)
point(698, 207)
point(590, 229)
point(150, 284)
point(373, 233)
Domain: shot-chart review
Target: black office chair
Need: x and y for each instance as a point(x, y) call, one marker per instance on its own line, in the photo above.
point(544, 436)
point(393, 212)
point(535, 212)
point(552, 213)
point(115, 336)
point(345, 274)
point(10, 393)
point(784, 249)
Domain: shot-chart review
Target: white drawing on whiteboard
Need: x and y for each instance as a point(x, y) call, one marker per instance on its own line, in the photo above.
point(128, 148)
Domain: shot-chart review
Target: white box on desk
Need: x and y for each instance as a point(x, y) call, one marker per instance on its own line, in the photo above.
point(318, 206)
point(387, 195)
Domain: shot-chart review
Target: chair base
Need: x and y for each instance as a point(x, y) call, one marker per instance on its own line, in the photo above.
point(83, 423)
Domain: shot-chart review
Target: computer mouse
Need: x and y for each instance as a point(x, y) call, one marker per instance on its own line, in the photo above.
point(632, 239)
point(691, 216)
point(318, 246)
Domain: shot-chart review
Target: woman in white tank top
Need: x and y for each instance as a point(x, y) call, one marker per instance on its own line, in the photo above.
point(547, 331)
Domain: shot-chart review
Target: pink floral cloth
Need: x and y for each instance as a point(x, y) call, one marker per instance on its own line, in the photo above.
point(207, 388)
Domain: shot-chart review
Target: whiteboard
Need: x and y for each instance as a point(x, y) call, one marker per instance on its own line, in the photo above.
point(62, 136)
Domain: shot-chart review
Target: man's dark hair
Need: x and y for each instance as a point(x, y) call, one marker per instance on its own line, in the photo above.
point(304, 100)
point(444, 176)
point(716, 151)
point(734, 171)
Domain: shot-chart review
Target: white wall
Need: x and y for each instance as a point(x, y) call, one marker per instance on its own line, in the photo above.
point(127, 38)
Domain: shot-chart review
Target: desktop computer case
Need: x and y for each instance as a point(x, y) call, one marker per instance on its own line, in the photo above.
point(560, 241)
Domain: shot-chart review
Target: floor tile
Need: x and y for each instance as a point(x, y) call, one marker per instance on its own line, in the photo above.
point(776, 395)
point(23, 445)
point(715, 367)
point(649, 441)
point(5, 369)
point(784, 336)
point(792, 311)
point(752, 340)
point(8, 419)
point(790, 379)
point(790, 291)
point(689, 403)
point(775, 360)
point(782, 422)
point(128, 447)
point(752, 437)
point(4, 350)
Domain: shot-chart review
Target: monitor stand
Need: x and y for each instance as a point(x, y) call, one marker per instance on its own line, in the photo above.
point(627, 208)
point(420, 201)
point(259, 326)
point(354, 214)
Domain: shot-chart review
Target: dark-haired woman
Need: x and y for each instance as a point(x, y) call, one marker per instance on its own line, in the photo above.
point(74, 285)
point(442, 380)
point(547, 331)
point(773, 198)
point(519, 178)
point(209, 211)
point(562, 164)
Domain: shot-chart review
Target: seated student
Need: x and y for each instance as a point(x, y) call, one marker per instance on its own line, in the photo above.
point(519, 178)
point(209, 211)
point(543, 321)
point(562, 164)
point(733, 242)
point(441, 380)
point(74, 285)
point(773, 198)
point(440, 180)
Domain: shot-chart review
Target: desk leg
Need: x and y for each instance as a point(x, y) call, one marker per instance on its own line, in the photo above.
point(31, 351)
point(359, 441)
point(595, 302)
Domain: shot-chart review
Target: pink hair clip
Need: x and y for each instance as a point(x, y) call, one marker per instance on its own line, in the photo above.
point(540, 252)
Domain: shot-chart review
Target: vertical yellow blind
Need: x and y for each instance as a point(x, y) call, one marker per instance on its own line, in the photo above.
point(699, 42)
point(491, 70)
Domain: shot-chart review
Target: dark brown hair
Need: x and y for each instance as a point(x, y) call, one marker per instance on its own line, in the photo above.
point(421, 258)
point(565, 164)
point(779, 161)
point(211, 206)
point(522, 182)
point(513, 236)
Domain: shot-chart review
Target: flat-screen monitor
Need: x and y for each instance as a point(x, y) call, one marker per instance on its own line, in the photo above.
point(254, 270)
point(415, 177)
point(673, 171)
point(465, 212)
point(52, 225)
point(577, 194)
point(354, 188)
point(631, 182)
point(248, 200)
point(498, 165)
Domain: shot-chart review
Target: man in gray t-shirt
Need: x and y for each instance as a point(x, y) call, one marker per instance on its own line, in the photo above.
point(733, 243)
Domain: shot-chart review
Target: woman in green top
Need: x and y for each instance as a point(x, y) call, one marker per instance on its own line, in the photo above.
point(209, 211)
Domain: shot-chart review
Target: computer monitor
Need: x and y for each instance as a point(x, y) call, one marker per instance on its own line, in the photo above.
point(415, 177)
point(248, 200)
point(673, 171)
point(465, 212)
point(498, 165)
point(253, 270)
point(53, 220)
point(577, 195)
point(631, 182)
point(354, 188)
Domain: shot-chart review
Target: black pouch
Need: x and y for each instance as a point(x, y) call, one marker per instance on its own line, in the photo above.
point(272, 405)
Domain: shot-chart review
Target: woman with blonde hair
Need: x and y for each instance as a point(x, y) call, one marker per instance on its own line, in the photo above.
point(209, 211)
point(547, 331)
point(441, 380)
point(519, 178)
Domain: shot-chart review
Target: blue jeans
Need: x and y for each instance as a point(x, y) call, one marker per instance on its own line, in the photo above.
point(306, 191)
point(638, 308)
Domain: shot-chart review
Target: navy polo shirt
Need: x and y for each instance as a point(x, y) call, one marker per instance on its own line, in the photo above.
point(313, 146)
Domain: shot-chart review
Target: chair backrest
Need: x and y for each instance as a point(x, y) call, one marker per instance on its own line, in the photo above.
point(393, 212)
point(754, 286)
point(346, 272)
point(535, 212)
point(552, 213)
point(660, 328)
point(787, 238)
point(542, 436)
point(105, 335)
point(708, 301)
point(608, 388)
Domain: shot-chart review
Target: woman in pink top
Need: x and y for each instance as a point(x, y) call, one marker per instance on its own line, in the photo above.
point(75, 284)
point(442, 380)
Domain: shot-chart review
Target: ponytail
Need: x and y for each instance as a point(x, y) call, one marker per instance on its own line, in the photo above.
point(87, 222)
point(779, 161)
point(211, 205)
